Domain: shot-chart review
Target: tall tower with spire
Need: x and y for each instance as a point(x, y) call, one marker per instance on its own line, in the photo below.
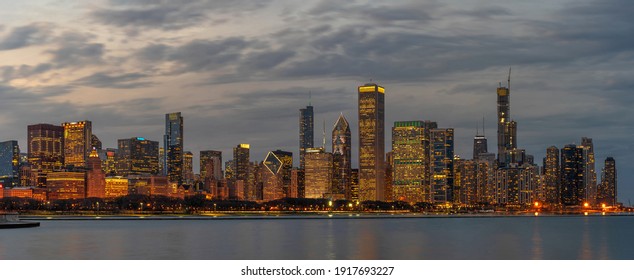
point(507, 129)
point(342, 155)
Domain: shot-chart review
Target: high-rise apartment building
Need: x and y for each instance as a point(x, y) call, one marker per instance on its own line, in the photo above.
point(607, 189)
point(342, 156)
point(137, 155)
point(589, 172)
point(306, 132)
point(77, 143)
point(9, 164)
point(173, 144)
point(552, 177)
point(188, 167)
point(442, 156)
point(371, 142)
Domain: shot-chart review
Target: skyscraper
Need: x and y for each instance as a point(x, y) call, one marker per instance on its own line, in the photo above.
point(277, 172)
point(442, 156)
point(137, 155)
point(318, 174)
point(173, 143)
point(552, 175)
point(306, 132)
point(77, 143)
point(211, 164)
point(572, 170)
point(411, 162)
point(240, 166)
point(9, 164)
point(45, 147)
point(607, 189)
point(480, 145)
point(589, 173)
point(342, 156)
point(371, 142)
point(507, 129)
point(95, 177)
point(188, 167)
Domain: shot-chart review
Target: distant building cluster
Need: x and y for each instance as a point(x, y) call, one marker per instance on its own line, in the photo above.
point(68, 162)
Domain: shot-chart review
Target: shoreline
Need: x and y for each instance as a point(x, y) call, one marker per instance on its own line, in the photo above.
point(305, 216)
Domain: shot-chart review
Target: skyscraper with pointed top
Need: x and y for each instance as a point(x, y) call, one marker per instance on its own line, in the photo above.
point(306, 132)
point(342, 155)
point(371, 142)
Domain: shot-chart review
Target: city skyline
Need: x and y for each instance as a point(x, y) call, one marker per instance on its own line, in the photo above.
point(569, 82)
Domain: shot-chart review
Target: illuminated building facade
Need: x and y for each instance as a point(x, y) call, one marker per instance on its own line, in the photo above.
point(137, 156)
point(173, 144)
point(9, 163)
point(45, 147)
point(297, 184)
point(211, 164)
point(95, 177)
point(188, 167)
point(318, 174)
point(354, 184)
point(162, 161)
point(442, 156)
point(342, 156)
point(116, 187)
point(410, 148)
point(371, 142)
point(552, 176)
point(480, 146)
point(389, 163)
point(77, 143)
point(607, 189)
point(109, 164)
point(306, 132)
point(466, 181)
point(95, 142)
point(66, 185)
point(507, 129)
point(572, 171)
point(276, 174)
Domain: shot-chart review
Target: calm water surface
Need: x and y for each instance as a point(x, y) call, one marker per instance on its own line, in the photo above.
point(575, 237)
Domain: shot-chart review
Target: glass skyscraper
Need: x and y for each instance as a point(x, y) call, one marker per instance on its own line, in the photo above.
point(173, 144)
point(411, 165)
point(137, 156)
point(77, 143)
point(371, 142)
point(9, 163)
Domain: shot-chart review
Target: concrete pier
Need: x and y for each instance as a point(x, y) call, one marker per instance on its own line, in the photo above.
point(12, 220)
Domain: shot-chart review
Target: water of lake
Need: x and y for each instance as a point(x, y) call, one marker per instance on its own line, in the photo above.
point(561, 237)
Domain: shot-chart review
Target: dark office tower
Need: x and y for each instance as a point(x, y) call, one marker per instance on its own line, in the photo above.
point(389, 167)
point(589, 173)
point(342, 156)
point(442, 156)
point(306, 132)
point(211, 164)
point(607, 189)
point(410, 170)
point(371, 142)
point(552, 175)
point(503, 94)
point(241, 165)
point(480, 146)
point(137, 156)
point(95, 142)
point(173, 143)
point(162, 161)
point(9, 164)
point(45, 147)
point(572, 169)
point(77, 143)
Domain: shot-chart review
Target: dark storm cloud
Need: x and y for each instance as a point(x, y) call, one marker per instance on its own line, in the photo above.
point(169, 15)
point(8, 73)
point(106, 80)
point(25, 36)
point(414, 11)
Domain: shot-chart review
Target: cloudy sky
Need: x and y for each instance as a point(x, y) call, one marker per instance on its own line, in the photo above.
point(240, 70)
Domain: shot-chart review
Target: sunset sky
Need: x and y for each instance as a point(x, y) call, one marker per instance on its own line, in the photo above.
point(239, 71)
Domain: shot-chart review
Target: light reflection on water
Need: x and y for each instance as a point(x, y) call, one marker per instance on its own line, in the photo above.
point(575, 237)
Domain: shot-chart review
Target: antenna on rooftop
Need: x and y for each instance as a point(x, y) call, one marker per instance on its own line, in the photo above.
point(309, 98)
point(509, 80)
point(323, 145)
